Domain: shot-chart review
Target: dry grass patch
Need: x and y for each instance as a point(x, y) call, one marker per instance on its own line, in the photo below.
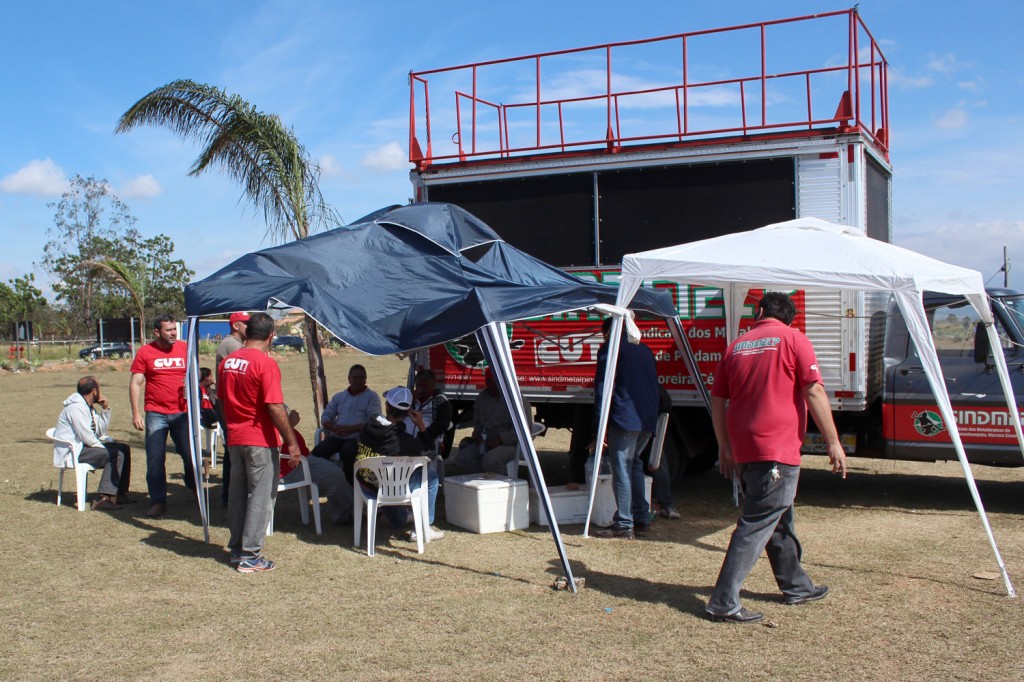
point(118, 594)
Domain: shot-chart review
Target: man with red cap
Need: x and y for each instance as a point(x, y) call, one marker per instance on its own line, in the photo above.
point(227, 346)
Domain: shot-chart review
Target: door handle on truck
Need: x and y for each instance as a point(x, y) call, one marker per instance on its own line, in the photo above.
point(912, 370)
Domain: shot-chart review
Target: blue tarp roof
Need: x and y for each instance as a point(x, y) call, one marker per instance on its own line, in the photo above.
point(403, 279)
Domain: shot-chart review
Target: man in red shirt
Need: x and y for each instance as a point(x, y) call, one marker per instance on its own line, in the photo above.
point(160, 366)
point(763, 387)
point(249, 392)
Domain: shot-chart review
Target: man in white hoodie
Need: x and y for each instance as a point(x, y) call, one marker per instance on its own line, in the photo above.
point(82, 426)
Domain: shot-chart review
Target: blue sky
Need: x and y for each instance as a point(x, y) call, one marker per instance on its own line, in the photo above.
point(336, 72)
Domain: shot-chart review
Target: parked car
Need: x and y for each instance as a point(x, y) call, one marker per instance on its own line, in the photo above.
point(293, 342)
point(109, 349)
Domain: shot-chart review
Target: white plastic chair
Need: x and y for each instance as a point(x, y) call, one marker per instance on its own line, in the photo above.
point(394, 475)
point(308, 491)
point(81, 472)
point(520, 459)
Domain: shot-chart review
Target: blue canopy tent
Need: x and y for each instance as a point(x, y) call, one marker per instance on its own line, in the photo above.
point(404, 279)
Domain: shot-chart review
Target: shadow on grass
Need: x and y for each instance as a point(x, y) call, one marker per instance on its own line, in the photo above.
point(691, 599)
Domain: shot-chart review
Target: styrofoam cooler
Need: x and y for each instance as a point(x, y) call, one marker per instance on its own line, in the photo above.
point(486, 503)
point(604, 500)
point(569, 506)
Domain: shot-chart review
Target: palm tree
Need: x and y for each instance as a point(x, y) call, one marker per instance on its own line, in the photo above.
point(256, 149)
point(135, 281)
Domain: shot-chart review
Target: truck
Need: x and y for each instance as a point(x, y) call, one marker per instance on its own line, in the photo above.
point(582, 155)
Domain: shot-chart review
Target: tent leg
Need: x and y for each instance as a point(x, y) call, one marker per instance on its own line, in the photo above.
point(494, 343)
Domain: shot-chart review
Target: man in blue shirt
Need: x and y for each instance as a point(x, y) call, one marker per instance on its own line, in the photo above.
point(345, 417)
point(633, 417)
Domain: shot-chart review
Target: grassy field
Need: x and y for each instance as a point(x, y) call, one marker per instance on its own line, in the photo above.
point(119, 595)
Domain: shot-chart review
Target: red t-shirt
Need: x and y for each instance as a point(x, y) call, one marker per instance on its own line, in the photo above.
point(763, 375)
point(286, 466)
point(248, 381)
point(164, 371)
point(205, 402)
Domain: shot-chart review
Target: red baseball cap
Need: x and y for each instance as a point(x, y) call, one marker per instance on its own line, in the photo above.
point(238, 317)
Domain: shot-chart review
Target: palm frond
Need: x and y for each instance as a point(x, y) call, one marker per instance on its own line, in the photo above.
point(252, 147)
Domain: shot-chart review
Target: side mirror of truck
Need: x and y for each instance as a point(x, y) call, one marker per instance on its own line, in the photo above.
point(981, 344)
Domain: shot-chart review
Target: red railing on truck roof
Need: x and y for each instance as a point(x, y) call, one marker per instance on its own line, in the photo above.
point(670, 91)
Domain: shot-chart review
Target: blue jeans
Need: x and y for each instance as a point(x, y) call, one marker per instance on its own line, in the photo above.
point(628, 477)
point(766, 524)
point(157, 427)
point(397, 516)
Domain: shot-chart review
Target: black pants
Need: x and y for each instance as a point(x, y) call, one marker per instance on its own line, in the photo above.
point(346, 450)
point(115, 479)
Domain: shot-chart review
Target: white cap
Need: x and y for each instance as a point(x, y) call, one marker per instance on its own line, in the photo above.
point(399, 397)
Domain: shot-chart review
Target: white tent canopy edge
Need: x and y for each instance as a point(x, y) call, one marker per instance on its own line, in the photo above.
point(809, 253)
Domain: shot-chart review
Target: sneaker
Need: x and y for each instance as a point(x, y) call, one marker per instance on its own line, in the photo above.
point(255, 565)
point(158, 509)
point(669, 513)
point(234, 560)
point(432, 534)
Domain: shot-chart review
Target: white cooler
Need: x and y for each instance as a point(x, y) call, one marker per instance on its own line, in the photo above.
point(486, 503)
point(569, 506)
point(604, 500)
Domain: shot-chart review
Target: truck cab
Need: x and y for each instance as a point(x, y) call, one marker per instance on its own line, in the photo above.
point(912, 428)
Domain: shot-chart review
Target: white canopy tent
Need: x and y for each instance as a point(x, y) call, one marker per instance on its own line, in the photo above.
point(809, 253)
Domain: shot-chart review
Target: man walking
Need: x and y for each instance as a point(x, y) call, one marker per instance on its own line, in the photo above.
point(160, 366)
point(632, 420)
point(763, 387)
point(249, 390)
point(81, 427)
point(228, 345)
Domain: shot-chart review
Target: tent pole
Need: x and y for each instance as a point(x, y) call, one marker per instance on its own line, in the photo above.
point(194, 434)
point(689, 359)
point(494, 343)
point(611, 362)
point(920, 334)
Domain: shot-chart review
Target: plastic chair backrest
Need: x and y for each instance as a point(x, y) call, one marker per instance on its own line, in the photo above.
point(394, 476)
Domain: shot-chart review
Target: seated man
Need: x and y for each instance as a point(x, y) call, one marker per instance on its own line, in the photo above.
point(326, 474)
point(344, 417)
point(384, 436)
point(80, 425)
point(431, 413)
point(494, 441)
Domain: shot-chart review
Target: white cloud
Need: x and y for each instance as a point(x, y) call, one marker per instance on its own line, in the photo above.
point(142, 187)
point(954, 119)
point(329, 166)
point(40, 178)
point(385, 159)
point(901, 79)
point(945, 64)
point(957, 242)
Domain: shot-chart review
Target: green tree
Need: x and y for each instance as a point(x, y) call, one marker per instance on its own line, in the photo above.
point(256, 149)
point(87, 217)
point(19, 300)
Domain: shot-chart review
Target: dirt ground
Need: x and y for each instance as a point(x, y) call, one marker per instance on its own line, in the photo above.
point(116, 594)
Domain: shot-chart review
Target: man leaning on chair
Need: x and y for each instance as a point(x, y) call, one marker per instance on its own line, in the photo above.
point(82, 427)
